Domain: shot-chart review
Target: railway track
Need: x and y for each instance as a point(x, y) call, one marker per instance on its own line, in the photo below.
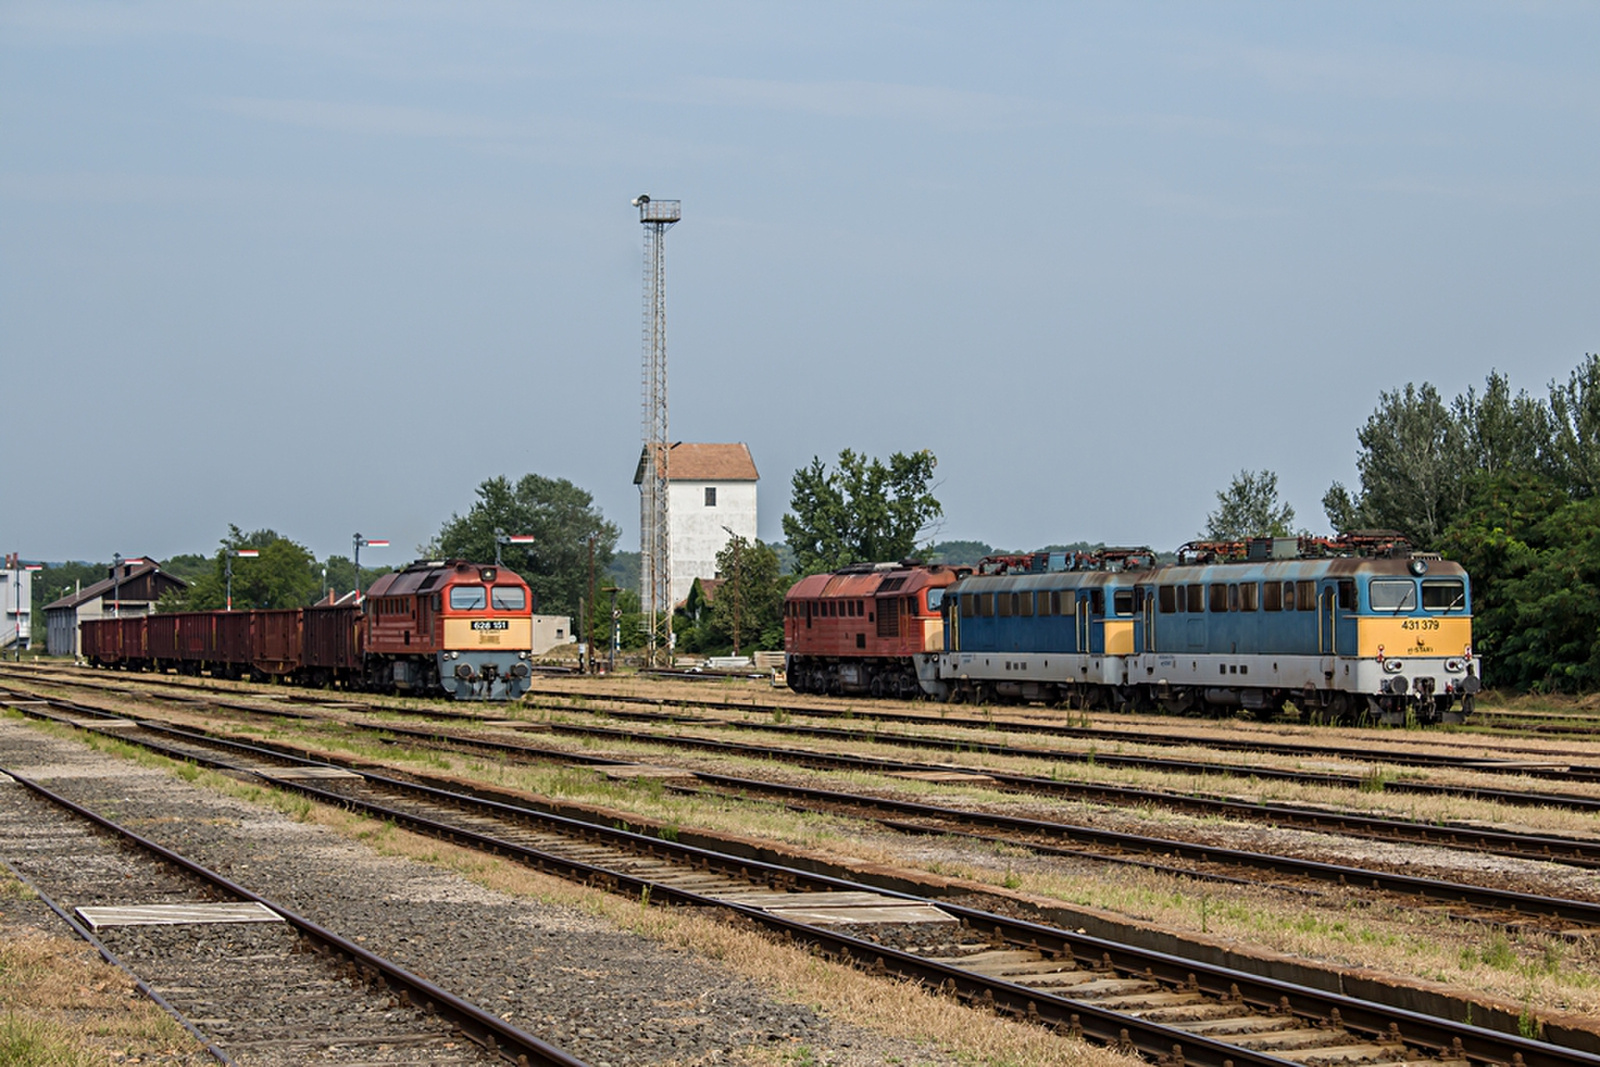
point(1169, 1008)
point(1047, 836)
point(1536, 764)
point(247, 977)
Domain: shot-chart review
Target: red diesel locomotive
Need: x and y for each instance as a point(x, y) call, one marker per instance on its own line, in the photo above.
point(857, 630)
point(448, 626)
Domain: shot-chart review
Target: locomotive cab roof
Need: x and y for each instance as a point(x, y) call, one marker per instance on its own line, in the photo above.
point(425, 576)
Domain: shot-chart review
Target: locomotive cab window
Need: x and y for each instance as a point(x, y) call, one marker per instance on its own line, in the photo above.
point(1167, 599)
point(1097, 601)
point(935, 601)
point(468, 598)
point(509, 598)
point(1443, 594)
point(1122, 602)
point(1392, 594)
point(1347, 594)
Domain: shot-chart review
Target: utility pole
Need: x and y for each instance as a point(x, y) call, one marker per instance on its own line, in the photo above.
point(588, 629)
point(616, 628)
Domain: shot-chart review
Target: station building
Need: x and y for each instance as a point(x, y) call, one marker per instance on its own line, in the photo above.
point(16, 606)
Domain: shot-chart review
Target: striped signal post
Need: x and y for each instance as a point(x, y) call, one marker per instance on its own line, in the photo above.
point(116, 581)
point(227, 567)
point(503, 538)
point(365, 542)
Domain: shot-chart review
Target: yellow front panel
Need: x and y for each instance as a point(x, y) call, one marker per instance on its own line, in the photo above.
point(1119, 638)
point(1413, 636)
point(933, 635)
point(480, 633)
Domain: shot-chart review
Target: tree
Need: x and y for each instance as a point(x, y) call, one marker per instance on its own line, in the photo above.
point(1250, 508)
point(1413, 463)
point(749, 602)
point(1502, 433)
point(561, 518)
point(1575, 418)
point(1533, 555)
point(284, 575)
point(864, 511)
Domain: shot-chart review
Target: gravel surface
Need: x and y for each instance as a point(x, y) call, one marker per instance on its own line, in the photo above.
point(606, 995)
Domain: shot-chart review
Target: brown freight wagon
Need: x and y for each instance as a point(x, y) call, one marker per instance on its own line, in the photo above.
point(99, 642)
point(161, 642)
point(330, 642)
point(234, 649)
point(275, 641)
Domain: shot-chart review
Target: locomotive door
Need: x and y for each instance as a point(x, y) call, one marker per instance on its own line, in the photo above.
point(1083, 622)
point(1327, 643)
point(1147, 597)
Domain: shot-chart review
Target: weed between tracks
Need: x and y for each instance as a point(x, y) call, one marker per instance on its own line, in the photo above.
point(64, 1007)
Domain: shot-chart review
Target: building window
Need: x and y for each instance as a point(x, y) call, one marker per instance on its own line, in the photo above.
point(711, 496)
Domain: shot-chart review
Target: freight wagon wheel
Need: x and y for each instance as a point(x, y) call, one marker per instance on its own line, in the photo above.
point(876, 686)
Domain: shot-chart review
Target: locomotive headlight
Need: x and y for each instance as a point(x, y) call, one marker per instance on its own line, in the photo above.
point(1419, 567)
point(1393, 666)
point(1454, 666)
point(522, 655)
point(519, 670)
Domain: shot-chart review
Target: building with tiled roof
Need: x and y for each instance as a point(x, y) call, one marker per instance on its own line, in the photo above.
point(133, 590)
point(711, 490)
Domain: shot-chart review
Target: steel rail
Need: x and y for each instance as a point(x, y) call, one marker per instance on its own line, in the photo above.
point(480, 1026)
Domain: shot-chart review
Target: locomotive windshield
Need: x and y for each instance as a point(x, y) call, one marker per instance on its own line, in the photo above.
point(508, 598)
point(1393, 594)
point(935, 600)
point(1444, 594)
point(467, 598)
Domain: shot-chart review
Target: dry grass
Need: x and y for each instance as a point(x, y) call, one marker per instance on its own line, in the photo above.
point(65, 1007)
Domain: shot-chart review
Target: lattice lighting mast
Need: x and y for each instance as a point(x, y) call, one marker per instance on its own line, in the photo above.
point(655, 558)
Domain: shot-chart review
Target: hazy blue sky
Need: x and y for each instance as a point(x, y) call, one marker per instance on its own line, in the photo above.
point(325, 267)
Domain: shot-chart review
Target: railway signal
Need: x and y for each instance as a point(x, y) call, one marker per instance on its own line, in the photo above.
point(227, 566)
point(503, 538)
point(365, 542)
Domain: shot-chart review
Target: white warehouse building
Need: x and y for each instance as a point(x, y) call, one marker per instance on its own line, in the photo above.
point(711, 490)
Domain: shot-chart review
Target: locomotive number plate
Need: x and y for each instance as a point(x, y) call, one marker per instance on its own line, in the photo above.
point(491, 624)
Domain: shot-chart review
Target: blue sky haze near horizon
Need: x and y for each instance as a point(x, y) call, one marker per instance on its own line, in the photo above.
point(326, 267)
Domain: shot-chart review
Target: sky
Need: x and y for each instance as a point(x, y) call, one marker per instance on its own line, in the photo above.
point(326, 267)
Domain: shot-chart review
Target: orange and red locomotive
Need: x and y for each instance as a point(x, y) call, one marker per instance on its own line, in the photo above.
point(857, 630)
point(462, 628)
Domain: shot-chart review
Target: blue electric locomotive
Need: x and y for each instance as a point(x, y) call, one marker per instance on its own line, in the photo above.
point(1357, 628)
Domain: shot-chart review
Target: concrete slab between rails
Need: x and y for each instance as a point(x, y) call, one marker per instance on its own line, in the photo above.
point(176, 914)
point(22, 703)
point(635, 770)
point(301, 772)
point(104, 724)
point(1517, 764)
point(942, 776)
point(837, 909)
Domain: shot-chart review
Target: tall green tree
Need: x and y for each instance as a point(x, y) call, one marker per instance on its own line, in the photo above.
point(561, 518)
point(1413, 462)
point(1533, 554)
point(1250, 507)
point(865, 510)
point(284, 575)
point(1575, 418)
point(1503, 433)
point(750, 599)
